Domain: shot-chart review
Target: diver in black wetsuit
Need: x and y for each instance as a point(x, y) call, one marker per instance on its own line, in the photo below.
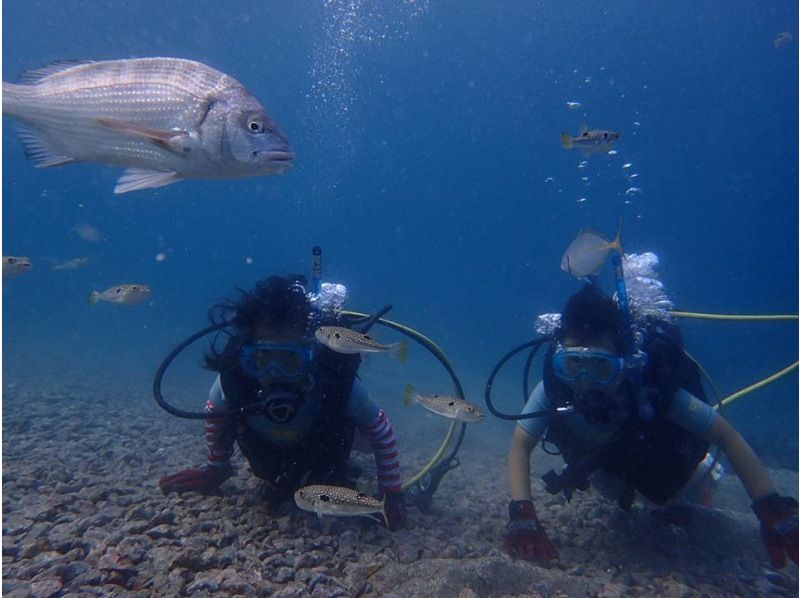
point(599, 422)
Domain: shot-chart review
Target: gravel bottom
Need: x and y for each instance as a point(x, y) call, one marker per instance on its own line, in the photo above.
point(83, 516)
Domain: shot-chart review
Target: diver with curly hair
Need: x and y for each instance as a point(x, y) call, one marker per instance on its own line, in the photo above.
point(312, 401)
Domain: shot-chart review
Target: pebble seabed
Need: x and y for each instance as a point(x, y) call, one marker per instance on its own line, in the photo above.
point(83, 516)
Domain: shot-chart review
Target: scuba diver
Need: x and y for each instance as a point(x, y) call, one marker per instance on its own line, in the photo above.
point(310, 398)
point(628, 425)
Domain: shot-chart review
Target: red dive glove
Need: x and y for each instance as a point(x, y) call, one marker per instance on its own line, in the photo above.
point(395, 510)
point(526, 538)
point(778, 517)
point(201, 479)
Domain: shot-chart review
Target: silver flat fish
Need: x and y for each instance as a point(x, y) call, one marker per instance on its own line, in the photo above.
point(164, 119)
point(588, 252)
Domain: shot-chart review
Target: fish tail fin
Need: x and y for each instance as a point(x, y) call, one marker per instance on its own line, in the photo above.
point(93, 297)
point(408, 395)
point(566, 141)
point(616, 244)
point(399, 351)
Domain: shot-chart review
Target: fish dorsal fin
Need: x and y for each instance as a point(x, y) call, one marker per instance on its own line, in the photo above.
point(583, 129)
point(591, 231)
point(616, 244)
point(36, 75)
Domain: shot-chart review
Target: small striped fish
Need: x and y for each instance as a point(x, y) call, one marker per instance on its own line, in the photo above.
point(590, 142)
point(347, 340)
point(446, 406)
point(339, 502)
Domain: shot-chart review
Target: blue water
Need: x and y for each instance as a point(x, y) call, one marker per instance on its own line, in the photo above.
point(429, 169)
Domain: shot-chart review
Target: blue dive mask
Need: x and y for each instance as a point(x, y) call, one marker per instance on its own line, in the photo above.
point(278, 359)
point(587, 363)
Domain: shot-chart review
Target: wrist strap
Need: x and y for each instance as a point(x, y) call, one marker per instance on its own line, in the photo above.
point(521, 509)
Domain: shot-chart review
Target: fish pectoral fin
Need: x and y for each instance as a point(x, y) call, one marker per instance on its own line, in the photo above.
point(37, 152)
point(136, 179)
point(377, 518)
point(174, 141)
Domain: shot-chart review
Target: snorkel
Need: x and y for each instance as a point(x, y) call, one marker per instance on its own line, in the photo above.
point(635, 359)
point(316, 269)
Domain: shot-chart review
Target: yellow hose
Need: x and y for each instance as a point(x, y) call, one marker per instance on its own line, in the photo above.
point(453, 424)
point(757, 385)
point(763, 318)
point(435, 459)
point(748, 318)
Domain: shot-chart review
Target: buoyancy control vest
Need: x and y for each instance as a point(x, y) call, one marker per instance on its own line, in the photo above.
point(652, 455)
point(321, 454)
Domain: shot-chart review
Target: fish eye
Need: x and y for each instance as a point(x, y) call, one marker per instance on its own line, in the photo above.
point(255, 125)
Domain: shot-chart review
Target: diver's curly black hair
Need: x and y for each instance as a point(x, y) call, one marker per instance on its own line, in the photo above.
point(277, 301)
point(589, 314)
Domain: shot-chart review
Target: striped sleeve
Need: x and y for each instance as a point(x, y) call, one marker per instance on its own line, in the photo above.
point(219, 435)
point(381, 437)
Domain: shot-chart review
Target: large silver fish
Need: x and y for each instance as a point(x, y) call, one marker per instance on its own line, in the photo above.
point(164, 119)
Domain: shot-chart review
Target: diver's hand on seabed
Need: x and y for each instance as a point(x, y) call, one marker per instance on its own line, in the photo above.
point(778, 517)
point(200, 479)
point(526, 538)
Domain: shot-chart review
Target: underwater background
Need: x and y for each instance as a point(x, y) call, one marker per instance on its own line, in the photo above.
point(429, 170)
